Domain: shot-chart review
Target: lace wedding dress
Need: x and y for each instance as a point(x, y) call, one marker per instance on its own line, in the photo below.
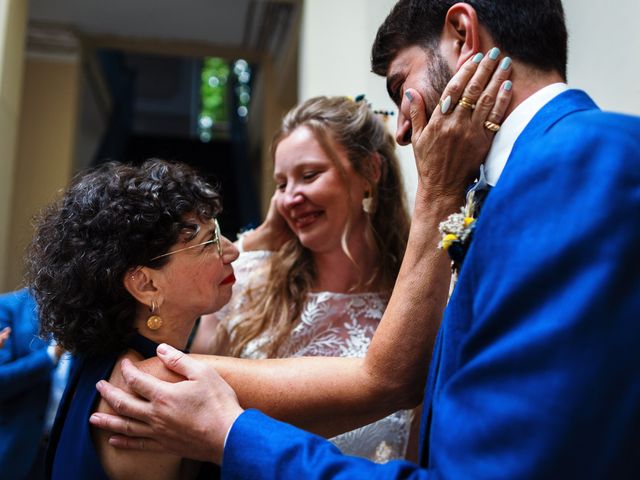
point(331, 324)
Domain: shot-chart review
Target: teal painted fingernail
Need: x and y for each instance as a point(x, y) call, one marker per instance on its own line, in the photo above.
point(409, 96)
point(494, 53)
point(505, 63)
point(508, 85)
point(445, 104)
point(477, 57)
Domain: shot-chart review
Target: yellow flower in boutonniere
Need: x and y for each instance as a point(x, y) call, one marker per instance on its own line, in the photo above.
point(456, 233)
point(448, 240)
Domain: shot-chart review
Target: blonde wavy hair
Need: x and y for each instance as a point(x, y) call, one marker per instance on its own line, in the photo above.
point(276, 305)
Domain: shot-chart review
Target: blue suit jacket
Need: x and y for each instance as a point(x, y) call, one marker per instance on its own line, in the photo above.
point(536, 370)
point(25, 370)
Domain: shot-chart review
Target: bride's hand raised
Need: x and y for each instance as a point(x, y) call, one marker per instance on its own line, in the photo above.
point(271, 234)
point(450, 146)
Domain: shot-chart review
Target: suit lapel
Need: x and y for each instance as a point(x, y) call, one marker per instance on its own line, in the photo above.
point(564, 104)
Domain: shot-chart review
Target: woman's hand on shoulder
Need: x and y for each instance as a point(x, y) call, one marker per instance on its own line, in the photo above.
point(451, 145)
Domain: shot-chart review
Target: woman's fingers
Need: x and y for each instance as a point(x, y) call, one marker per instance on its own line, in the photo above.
point(178, 362)
point(120, 425)
point(417, 113)
point(487, 102)
point(456, 86)
point(145, 385)
point(129, 443)
point(272, 233)
point(122, 402)
point(496, 116)
point(477, 84)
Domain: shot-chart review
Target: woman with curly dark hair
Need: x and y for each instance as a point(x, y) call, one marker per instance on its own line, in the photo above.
point(129, 257)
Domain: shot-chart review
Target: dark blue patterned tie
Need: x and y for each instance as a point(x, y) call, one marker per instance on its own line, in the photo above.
point(476, 195)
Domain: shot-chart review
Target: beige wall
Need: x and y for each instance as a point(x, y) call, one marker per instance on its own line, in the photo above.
point(45, 148)
point(334, 60)
point(335, 49)
point(604, 46)
point(13, 17)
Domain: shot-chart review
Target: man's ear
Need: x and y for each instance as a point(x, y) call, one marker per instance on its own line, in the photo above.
point(139, 282)
point(461, 34)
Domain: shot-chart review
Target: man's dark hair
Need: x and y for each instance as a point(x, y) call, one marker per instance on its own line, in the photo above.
point(532, 31)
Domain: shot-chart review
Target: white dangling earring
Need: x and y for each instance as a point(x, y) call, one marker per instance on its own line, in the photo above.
point(367, 203)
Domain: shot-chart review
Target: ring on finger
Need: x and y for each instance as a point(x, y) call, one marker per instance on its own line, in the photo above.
point(466, 103)
point(493, 127)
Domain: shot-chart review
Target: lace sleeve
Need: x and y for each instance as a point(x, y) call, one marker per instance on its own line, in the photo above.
point(343, 325)
point(336, 325)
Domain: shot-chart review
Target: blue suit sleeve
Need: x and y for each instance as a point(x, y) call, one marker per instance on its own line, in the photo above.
point(19, 373)
point(260, 447)
point(22, 374)
point(546, 381)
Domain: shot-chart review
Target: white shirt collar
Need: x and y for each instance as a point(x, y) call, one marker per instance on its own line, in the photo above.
point(513, 126)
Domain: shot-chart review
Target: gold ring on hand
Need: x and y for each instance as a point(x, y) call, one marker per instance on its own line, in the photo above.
point(466, 103)
point(493, 127)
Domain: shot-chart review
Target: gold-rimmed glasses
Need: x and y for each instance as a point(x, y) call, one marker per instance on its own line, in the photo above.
point(215, 239)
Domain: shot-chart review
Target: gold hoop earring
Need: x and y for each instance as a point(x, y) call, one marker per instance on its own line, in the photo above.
point(154, 322)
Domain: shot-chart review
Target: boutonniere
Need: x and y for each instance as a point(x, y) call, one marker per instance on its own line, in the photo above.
point(457, 230)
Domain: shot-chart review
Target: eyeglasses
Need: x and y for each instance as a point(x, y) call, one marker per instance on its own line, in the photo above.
point(215, 239)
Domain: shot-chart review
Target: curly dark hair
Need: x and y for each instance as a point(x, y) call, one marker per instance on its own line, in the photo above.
point(109, 220)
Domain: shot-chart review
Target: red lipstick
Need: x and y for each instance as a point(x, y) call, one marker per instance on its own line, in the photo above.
point(230, 279)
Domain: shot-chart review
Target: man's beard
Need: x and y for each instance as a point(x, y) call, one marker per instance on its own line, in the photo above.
point(438, 76)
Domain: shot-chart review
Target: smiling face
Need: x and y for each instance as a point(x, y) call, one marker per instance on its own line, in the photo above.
point(314, 197)
point(423, 70)
point(197, 280)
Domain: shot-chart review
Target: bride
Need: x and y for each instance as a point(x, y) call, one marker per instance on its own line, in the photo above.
point(321, 291)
